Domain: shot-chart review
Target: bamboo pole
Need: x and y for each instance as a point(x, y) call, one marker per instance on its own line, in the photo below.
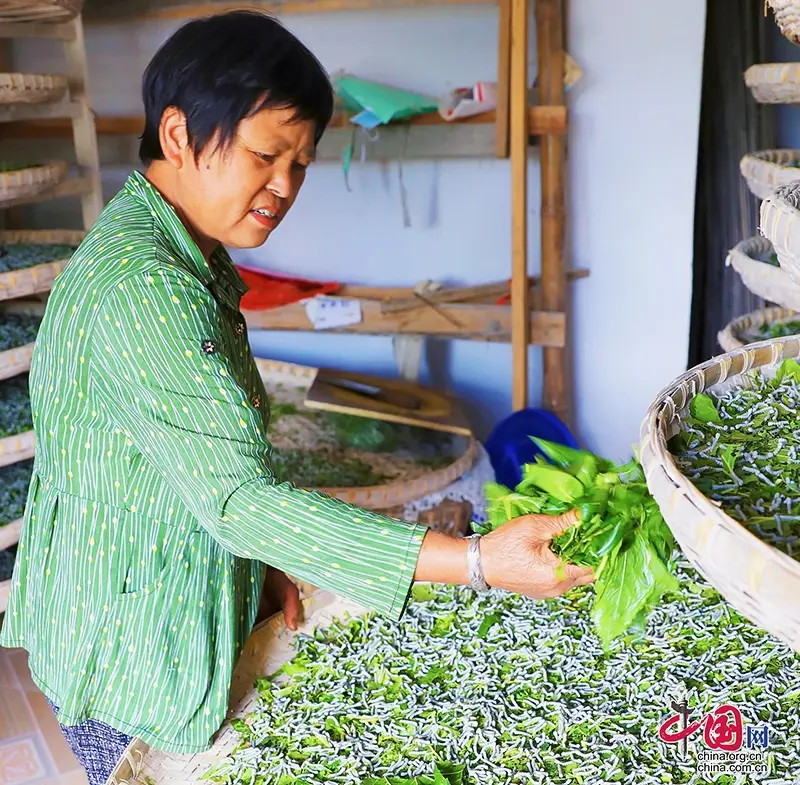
point(550, 50)
point(503, 75)
point(520, 295)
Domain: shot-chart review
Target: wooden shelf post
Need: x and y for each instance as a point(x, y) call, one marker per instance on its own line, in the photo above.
point(519, 131)
point(550, 52)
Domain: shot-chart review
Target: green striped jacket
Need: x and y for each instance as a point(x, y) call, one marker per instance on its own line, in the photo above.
point(153, 507)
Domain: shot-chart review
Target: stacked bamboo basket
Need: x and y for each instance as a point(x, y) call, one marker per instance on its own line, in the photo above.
point(760, 581)
point(25, 282)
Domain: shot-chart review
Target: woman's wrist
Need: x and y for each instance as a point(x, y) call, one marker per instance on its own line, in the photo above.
point(442, 559)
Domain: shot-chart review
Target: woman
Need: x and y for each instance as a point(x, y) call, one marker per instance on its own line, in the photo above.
point(153, 510)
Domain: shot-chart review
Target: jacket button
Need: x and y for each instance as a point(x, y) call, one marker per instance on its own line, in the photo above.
point(209, 347)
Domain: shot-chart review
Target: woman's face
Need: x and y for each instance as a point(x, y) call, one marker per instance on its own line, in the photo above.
point(238, 195)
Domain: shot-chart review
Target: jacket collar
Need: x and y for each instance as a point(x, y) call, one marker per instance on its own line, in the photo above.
point(217, 273)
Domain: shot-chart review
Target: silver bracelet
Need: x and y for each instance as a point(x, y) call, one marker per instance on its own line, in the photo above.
point(474, 567)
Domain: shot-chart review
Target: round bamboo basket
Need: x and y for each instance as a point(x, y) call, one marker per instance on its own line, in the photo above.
point(787, 17)
point(374, 497)
point(19, 447)
point(774, 83)
point(766, 170)
point(30, 181)
point(32, 88)
point(271, 645)
point(761, 582)
point(39, 10)
point(744, 330)
point(38, 279)
point(9, 534)
point(768, 281)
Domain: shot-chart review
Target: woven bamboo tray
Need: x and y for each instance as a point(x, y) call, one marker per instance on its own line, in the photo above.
point(744, 330)
point(32, 88)
point(774, 83)
point(761, 582)
point(39, 10)
point(374, 497)
point(787, 17)
point(767, 281)
point(38, 279)
point(19, 447)
point(270, 646)
point(30, 181)
point(18, 360)
point(765, 170)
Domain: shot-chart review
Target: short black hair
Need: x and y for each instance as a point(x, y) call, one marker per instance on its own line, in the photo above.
point(221, 69)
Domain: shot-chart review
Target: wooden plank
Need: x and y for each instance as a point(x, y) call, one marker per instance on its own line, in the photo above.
point(476, 322)
point(542, 119)
point(550, 51)
point(518, 135)
point(463, 294)
point(64, 31)
point(10, 113)
point(84, 136)
point(503, 78)
point(104, 11)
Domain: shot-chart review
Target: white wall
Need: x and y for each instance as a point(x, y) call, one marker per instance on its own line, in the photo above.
point(632, 144)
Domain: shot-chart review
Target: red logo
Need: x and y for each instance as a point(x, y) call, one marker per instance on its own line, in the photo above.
point(723, 728)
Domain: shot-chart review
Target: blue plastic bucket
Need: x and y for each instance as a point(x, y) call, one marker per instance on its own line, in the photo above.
point(510, 446)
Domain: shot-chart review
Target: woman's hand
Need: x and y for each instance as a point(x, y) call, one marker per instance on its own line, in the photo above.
point(517, 557)
point(280, 593)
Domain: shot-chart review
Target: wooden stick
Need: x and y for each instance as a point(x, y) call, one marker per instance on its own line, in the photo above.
point(550, 50)
point(543, 119)
point(503, 76)
point(518, 96)
point(467, 293)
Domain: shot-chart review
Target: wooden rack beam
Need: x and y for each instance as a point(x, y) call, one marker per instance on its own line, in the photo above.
point(542, 120)
point(105, 11)
point(464, 322)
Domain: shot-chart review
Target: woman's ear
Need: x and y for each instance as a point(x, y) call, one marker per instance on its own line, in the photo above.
point(173, 136)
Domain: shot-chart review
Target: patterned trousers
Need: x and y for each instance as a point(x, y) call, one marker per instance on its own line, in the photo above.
point(97, 746)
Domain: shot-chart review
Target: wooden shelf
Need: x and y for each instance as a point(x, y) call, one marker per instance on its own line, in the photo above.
point(466, 322)
point(105, 11)
point(63, 32)
point(543, 120)
point(72, 186)
point(14, 113)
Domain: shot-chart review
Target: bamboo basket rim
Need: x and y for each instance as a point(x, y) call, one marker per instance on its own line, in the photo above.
point(46, 11)
point(387, 495)
point(5, 588)
point(257, 658)
point(696, 520)
point(9, 534)
point(17, 448)
point(16, 361)
point(779, 214)
point(774, 83)
point(31, 180)
point(732, 336)
point(15, 284)
point(787, 17)
point(766, 170)
point(18, 87)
